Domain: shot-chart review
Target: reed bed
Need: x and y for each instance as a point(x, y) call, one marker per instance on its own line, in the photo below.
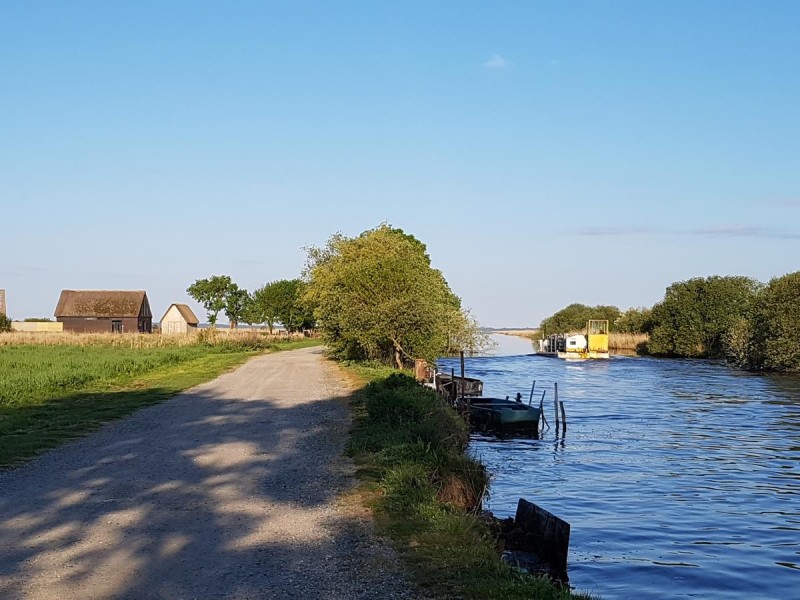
point(204, 337)
point(634, 342)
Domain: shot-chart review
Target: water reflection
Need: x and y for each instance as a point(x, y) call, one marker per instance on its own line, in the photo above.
point(679, 478)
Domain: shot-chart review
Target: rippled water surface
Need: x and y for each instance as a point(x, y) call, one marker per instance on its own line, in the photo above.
point(679, 478)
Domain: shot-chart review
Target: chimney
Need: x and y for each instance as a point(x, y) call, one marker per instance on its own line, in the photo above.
point(2, 302)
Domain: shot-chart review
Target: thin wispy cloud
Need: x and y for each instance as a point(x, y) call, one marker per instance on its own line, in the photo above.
point(614, 231)
point(732, 231)
point(747, 232)
point(496, 62)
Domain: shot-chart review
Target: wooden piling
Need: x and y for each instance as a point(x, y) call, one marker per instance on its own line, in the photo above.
point(555, 402)
point(563, 417)
point(541, 411)
point(421, 369)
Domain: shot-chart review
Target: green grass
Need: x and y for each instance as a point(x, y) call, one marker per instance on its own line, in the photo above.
point(411, 452)
point(49, 394)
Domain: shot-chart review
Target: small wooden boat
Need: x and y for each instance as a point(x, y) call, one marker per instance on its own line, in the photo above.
point(502, 414)
point(454, 386)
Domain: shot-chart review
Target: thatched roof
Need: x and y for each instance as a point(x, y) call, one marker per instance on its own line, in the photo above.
point(103, 303)
point(186, 313)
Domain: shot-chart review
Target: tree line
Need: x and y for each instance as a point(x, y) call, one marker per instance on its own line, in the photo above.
point(751, 325)
point(374, 296)
point(276, 302)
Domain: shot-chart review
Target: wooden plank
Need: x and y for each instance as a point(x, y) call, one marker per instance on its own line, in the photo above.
point(546, 534)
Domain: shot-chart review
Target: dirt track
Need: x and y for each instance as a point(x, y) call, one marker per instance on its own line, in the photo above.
point(229, 490)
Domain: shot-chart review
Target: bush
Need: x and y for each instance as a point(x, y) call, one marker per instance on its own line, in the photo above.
point(695, 316)
point(5, 324)
point(776, 326)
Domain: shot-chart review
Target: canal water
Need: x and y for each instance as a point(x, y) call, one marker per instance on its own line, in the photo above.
point(679, 478)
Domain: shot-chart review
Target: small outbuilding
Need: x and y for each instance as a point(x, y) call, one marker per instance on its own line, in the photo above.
point(101, 311)
point(179, 318)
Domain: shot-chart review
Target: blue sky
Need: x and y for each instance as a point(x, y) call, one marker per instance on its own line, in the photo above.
point(546, 152)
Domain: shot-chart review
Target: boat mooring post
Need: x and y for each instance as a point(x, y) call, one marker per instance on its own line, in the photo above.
point(533, 387)
point(555, 402)
point(463, 383)
point(541, 410)
point(563, 418)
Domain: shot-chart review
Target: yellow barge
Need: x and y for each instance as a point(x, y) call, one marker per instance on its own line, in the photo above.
point(594, 344)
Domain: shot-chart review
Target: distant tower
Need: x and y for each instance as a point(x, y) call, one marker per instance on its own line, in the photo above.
point(2, 302)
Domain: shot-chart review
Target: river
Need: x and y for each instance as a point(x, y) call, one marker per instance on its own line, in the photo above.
point(679, 478)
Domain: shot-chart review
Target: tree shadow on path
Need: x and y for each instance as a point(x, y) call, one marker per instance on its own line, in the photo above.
point(199, 497)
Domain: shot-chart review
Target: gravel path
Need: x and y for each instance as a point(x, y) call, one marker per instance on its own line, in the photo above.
point(230, 490)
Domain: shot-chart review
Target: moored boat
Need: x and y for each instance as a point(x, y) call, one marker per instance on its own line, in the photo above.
point(594, 344)
point(502, 415)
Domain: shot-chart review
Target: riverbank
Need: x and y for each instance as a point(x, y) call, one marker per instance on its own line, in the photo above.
point(52, 393)
point(425, 491)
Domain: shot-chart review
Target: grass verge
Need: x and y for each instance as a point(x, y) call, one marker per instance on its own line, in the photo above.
point(425, 491)
point(49, 394)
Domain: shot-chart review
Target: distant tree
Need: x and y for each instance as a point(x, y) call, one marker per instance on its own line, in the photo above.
point(37, 320)
point(236, 305)
point(377, 296)
point(775, 339)
point(282, 301)
point(5, 323)
point(265, 304)
point(292, 312)
point(575, 316)
point(695, 317)
point(212, 293)
point(634, 320)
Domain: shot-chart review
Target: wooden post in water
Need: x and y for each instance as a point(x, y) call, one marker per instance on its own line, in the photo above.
point(463, 383)
point(555, 402)
point(563, 418)
point(541, 410)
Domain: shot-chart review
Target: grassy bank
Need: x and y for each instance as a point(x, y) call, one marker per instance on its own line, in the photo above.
point(51, 393)
point(425, 490)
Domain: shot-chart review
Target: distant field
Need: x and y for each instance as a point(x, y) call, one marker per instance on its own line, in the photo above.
point(50, 393)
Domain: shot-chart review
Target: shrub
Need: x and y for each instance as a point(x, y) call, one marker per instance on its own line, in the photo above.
point(5, 324)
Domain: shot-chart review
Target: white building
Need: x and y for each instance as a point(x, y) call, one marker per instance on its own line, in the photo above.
point(179, 318)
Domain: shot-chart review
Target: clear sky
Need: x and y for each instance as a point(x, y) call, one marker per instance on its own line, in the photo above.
point(546, 152)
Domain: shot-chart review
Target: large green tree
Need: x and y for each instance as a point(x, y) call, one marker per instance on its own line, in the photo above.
point(377, 296)
point(696, 316)
point(775, 329)
point(212, 293)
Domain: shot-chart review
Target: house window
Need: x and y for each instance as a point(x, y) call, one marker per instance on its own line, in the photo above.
point(116, 326)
